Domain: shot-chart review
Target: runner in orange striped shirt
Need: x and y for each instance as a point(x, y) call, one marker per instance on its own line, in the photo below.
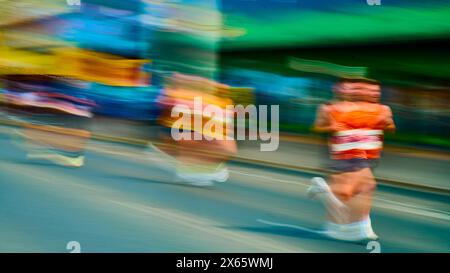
point(356, 122)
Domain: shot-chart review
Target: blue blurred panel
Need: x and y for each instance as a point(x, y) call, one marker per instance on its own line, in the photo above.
point(136, 103)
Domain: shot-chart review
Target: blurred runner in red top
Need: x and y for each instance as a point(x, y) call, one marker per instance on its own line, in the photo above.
point(356, 121)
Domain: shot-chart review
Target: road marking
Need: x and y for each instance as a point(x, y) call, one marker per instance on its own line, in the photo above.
point(271, 178)
point(291, 226)
point(412, 209)
point(380, 202)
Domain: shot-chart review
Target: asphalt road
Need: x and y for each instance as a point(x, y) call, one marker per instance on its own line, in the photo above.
point(124, 201)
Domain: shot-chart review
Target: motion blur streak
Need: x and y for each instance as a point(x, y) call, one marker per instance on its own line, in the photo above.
point(92, 91)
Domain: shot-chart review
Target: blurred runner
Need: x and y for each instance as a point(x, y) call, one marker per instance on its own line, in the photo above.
point(356, 121)
point(200, 155)
point(186, 60)
point(54, 115)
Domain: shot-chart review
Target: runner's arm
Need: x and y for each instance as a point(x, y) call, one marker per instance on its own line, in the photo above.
point(322, 123)
point(389, 125)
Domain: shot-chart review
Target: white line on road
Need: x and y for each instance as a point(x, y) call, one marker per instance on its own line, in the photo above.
point(379, 202)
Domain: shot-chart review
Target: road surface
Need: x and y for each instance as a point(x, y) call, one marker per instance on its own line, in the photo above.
point(124, 201)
